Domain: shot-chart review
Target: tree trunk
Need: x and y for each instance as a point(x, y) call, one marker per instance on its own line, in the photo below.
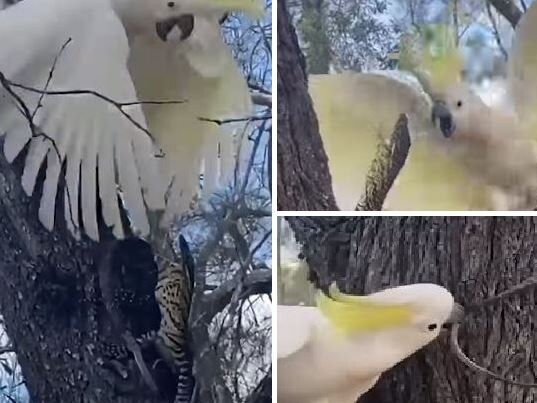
point(52, 304)
point(304, 182)
point(508, 9)
point(313, 30)
point(475, 258)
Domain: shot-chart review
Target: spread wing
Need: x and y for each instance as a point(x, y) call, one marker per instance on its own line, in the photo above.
point(295, 326)
point(201, 71)
point(100, 153)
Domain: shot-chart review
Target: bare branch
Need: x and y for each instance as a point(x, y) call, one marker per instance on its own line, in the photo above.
point(6, 350)
point(385, 167)
point(495, 30)
point(256, 282)
point(508, 9)
point(472, 365)
point(220, 122)
point(261, 99)
point(118, 105)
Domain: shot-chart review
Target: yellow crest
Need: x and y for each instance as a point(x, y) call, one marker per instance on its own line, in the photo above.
point(354, 313)
point(432, 52)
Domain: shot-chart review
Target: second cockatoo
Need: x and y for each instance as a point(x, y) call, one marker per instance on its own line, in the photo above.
point(144, 156)
point(335, 352)
point(499, 143)
point(464, 153)
point(352, 125)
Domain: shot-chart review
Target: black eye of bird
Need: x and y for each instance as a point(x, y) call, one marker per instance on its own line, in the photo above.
point(459, 104)
point(432, 326)
point(171, 4)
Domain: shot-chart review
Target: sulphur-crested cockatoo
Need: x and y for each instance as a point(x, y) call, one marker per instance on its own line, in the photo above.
point(127, 51)
point(352, 125)
point(495, 142)
point(335, 352)
point(463, 153)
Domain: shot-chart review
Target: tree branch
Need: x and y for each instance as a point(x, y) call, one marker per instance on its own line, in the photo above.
point(255, 283)
point(261, 99)
point(508, 9)
point(390, 159)
point(304, 181)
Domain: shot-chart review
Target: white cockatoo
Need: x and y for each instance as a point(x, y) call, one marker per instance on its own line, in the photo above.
point(335, 352)
point(465, 154)
point(128, 51)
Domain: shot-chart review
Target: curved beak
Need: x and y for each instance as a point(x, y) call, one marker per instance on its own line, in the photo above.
point(456, 316)
point(441, 117)
point(185, 24)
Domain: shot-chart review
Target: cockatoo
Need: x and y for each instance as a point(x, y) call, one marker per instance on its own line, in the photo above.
point(488, 142)
point(335, 352)
point(464, 153)
point(351, 127)
point(496, 143)
point(147, 156)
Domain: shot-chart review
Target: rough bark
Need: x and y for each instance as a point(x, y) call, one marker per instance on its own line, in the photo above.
point(315, 35)
point(304, 181)
point(389, 161)
point(474, 257)
point(53, 311)
point(51, 304)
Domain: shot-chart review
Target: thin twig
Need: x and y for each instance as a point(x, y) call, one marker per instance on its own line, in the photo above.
point(472, 365)
point(523, 287)
point(118, 105)
point(220, 122)
point(495, 30)
point(50, 76)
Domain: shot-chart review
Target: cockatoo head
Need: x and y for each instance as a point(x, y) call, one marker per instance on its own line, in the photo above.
point(162, 16)
point(391, 324)
point(454, 110)
point(430, 308)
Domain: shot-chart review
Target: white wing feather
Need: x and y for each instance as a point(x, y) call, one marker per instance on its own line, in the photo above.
point(202, 72)
point(86, 132)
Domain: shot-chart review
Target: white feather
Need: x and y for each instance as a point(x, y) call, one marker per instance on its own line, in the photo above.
point(88, 127)
point(89, 187)
point(37, 152)
point(130, 185)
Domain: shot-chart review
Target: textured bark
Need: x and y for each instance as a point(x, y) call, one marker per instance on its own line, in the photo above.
point(314, 33)
point(474, 257)
point(263, 391)
point(304, 181)
point(388, 162)
point(51, 304)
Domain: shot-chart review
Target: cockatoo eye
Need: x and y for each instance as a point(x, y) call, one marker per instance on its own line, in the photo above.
point(459, 104)
point(432, 326)
point(171, 4)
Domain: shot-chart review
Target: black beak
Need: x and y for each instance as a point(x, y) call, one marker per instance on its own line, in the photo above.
point(456, 316)
point(441, 116)
point(184, 22)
